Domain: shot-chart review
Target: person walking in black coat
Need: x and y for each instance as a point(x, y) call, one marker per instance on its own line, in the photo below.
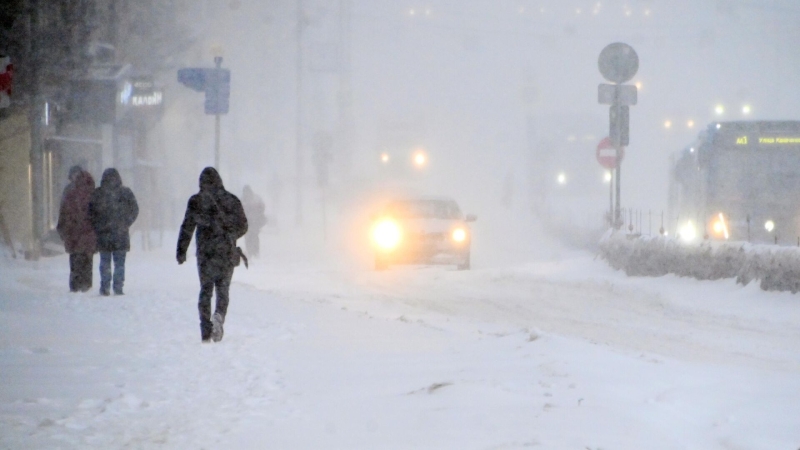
point(219, 220)
point(112, 211)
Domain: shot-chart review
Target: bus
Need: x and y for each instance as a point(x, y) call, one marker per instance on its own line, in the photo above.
point(738, 181)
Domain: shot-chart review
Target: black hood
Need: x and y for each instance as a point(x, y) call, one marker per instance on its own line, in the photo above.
point(111, 179)
point(210, 179)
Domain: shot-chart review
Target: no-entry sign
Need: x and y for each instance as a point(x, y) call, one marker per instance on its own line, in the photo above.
point(607, 154)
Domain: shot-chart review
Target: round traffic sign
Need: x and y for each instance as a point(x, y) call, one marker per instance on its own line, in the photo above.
point(618, 62)
point(607, 154)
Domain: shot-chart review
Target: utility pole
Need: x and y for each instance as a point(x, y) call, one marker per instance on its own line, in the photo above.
point(345, 141)
point(298, 215)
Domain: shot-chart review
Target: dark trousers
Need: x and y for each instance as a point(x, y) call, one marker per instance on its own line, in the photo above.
point(213, 274)
point(80, 271)
point(119, 270)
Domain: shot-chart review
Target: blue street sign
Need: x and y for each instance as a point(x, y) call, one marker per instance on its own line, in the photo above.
point(194, 78)
point(218, 91)
point(216, 83)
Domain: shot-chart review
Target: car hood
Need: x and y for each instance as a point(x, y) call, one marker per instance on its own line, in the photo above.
point(430, 225)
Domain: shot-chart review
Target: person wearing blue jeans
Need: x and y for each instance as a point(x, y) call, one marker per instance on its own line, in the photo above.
point(112, 211)
point(119, 271)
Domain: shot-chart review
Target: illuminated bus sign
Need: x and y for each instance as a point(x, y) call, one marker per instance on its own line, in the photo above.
point(777, 140)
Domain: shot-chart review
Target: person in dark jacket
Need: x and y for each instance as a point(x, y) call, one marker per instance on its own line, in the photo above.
point(112, 211)
point(76, 230)
point(219, 220)
point(254, 210)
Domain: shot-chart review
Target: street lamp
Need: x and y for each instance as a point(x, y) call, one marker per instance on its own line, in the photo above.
point(420, 158)
point(216, 51)
point(719, 110)
point(746, 110)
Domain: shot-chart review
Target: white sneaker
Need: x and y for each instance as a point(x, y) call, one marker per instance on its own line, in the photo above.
point(216, 331)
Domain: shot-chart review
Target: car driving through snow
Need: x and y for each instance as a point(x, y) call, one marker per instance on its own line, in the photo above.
point(422, 230)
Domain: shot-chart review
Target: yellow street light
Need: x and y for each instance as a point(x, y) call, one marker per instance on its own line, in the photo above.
point(746, 109)
point(719, 110)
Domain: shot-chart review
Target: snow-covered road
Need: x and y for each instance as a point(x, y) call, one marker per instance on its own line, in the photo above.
point(321, 352)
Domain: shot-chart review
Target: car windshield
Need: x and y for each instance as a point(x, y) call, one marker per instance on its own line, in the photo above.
point(425, 209)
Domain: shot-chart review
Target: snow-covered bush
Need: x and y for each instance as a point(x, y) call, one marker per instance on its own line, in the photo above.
point(777, 268)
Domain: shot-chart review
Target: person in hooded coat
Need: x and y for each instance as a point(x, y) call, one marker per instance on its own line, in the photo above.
point(112, 211)
point(76, 230)
point(217, 219)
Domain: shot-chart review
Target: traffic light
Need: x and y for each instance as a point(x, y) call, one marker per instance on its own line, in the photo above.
point(619, 125)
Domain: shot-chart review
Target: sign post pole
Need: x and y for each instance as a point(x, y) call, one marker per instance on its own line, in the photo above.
point(215, 83)
point(611, 198)
point(609, 155)
point(617, 172)
point(218, 64)
point(618, 63)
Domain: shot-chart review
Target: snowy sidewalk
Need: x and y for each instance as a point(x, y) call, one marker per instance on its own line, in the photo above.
point(320, 357)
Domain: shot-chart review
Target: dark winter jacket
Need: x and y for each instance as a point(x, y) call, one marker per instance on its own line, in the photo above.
point(219, 219)
point(112, 210)
point(74, 226)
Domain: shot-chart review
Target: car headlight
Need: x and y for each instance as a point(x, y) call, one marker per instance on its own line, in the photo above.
point(459, 235)
point(720, 227)
point(387, 234)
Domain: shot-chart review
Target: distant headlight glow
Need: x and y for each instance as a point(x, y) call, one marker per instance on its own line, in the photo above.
point(420, 158)
point(769, 226)
point(459, 235)
point(720, 227)
point(688, 232)
point(387, 234)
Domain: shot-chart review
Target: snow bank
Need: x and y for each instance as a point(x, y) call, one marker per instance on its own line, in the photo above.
point(777, 268)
